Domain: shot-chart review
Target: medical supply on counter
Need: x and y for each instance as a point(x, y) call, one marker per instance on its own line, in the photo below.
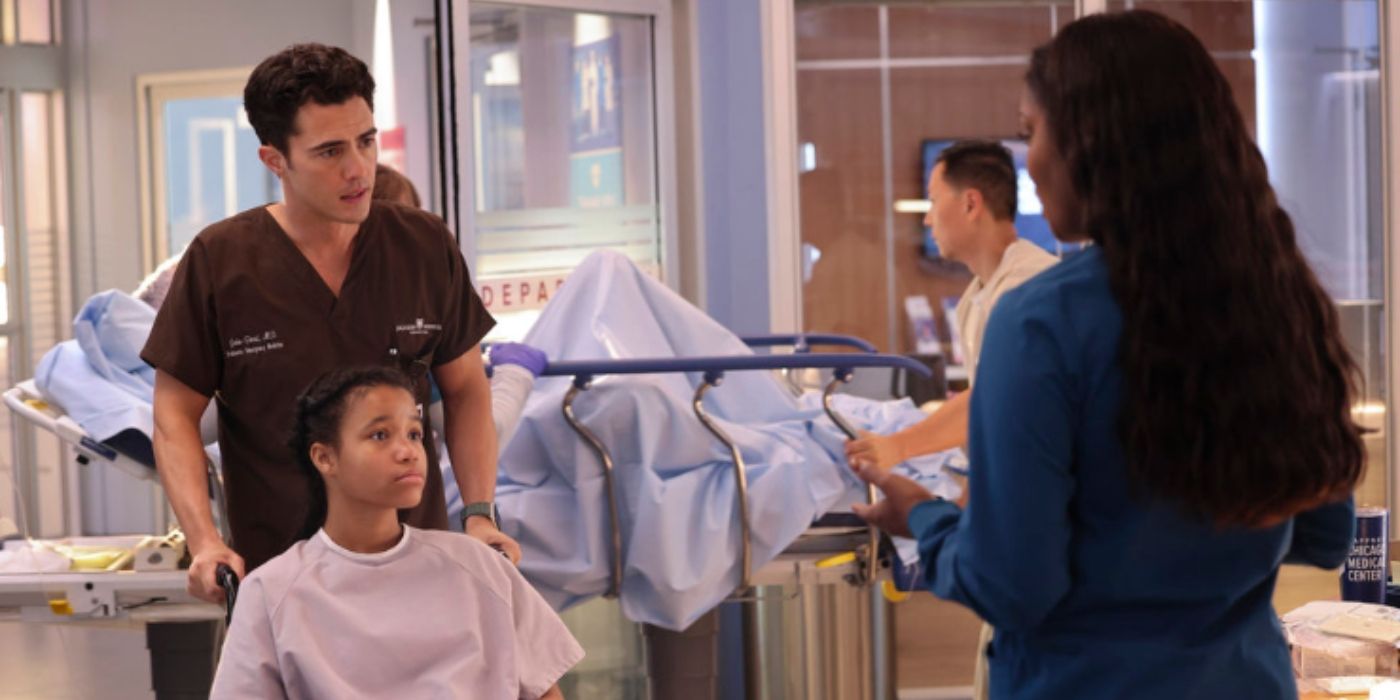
point(1372, 624)
point(1366, 570)
point(160, 554)
point(1333, 639)
point(31, 559)
point(113, 553)
point(1346, 686)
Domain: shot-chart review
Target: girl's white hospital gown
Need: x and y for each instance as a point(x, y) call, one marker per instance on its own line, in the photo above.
point(439, 615)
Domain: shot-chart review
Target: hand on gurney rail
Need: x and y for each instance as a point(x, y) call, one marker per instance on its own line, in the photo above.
point(521, 355)
point(872, 450)
point(891, 513)
point(203, 576)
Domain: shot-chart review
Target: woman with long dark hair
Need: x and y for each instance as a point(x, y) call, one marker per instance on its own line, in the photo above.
point(1161, 420)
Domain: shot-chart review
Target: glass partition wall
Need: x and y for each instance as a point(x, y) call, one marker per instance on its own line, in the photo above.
point(563, 112)
point(564, 134)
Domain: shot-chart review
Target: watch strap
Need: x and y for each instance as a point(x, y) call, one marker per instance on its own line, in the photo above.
point(484, 509)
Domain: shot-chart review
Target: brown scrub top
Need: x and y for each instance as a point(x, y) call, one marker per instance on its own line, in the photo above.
point(250, 322)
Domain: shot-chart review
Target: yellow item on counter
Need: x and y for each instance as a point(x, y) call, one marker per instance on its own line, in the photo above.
point(892, 594)
point(837, 560)
point(95, 561)
point(91, 557)
point(61, 606)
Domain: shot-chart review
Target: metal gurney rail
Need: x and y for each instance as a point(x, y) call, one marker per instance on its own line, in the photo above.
point(712, 370)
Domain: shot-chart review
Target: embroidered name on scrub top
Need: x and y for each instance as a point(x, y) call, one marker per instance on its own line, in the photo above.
point(253, 344)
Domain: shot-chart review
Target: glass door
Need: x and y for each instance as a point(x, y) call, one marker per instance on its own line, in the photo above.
point(564, 128)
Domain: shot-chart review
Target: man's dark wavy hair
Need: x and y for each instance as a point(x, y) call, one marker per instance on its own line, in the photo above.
point(299, 74)
point(1238, 388)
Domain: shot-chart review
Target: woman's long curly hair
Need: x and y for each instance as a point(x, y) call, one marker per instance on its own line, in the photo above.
point(320, 410)
point(1238, 388)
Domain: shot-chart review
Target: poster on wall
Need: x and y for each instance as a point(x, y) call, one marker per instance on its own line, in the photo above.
point(595, 153)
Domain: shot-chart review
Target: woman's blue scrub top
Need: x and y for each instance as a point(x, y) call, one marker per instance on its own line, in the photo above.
point(1096, 592)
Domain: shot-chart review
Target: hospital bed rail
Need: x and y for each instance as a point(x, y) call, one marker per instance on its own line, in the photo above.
point(803, 342)
point(712, 370)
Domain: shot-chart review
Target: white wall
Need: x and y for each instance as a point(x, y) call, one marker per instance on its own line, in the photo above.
point(108, 44)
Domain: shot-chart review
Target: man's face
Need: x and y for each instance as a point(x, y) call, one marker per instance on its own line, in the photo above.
point(949, 217)
point(328, 169)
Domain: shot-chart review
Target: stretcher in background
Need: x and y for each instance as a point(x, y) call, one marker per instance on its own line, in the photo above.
point(836, 551)
point(182, 632)
point(129, 451)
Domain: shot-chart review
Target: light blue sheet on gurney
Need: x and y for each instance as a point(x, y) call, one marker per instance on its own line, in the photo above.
point(676, 482)
point(98, 377)
point(100, 381)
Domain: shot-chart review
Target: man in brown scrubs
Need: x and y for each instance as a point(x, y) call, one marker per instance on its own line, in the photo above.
point(265, 301)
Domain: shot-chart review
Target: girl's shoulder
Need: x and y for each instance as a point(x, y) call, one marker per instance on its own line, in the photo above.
point(473, 557)
point(277, 576)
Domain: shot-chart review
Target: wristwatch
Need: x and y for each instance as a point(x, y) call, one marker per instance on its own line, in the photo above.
point(484, 509)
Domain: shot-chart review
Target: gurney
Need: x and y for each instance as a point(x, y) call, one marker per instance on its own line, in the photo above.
point(181, 632)
point(830, 534)
point(100, 595)
point(154, 591)
point(838, 549)
point(677, 484)
point(672, 494)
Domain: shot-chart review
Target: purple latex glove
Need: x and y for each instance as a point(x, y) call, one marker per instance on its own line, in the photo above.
point(519, 354)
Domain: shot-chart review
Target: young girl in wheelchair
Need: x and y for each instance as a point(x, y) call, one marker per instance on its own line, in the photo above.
point(367, 607)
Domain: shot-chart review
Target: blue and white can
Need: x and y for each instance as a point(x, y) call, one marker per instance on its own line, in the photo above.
point(1367, 567)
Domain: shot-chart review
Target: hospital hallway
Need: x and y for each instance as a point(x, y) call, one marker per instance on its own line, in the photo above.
point(725, 274)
